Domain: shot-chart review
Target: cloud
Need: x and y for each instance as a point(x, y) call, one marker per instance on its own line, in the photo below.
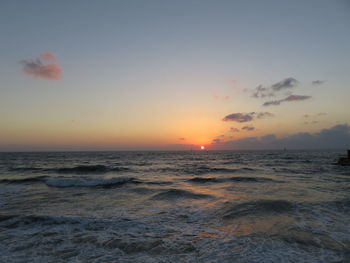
point(239, 117)
point(261, 115)
point(39, 69)
point(48, 56)
point(286, 83)
point(182, 139)
point(312, 117)
point(337, 136)
point(232, 129)
point(315, 115)
point(262, 92)
point(318, 82)
point(289, 98)
point(248, 128)
point(246, 117)
point(217, 140)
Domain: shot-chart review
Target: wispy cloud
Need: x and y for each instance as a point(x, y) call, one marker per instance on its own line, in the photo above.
point(270, 91)
point(289, 98)
point(248, 128)
point(45, 67)
point(311, 117)
point(318, 82)
point(320, 114)
point(181, 139)
point(232, 129)
point(246, 117)
point(261, 115)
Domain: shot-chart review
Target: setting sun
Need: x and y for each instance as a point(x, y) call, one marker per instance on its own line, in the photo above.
point(202, 147)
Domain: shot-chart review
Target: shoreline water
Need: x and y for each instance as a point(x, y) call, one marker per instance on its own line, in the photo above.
point(213, 206)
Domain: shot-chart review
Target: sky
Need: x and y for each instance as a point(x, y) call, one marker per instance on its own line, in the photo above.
point(174, 75)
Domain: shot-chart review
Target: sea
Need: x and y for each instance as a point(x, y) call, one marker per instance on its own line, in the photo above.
point(189, 206)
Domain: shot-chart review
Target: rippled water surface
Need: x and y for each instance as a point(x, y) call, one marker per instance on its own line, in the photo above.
point(224, 206)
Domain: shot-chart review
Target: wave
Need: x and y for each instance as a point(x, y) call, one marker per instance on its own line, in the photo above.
point(231, 179)
point(13, 221)
point(204, 180)
point(89, 182)
point(129, 163)
point(207, 169)
point(80, 169)
point(203, 169)
point(258, 207)
point(342, 205)
point(250, 179)
point(159, 183)
point(173, 194)
point(24, 180)
point(310, 239)
point(83, 169)
point(25, 169)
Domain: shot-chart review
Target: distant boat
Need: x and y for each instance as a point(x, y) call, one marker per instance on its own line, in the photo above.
point(344, 160)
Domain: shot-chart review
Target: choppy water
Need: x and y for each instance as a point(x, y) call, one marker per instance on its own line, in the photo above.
point(228, 206)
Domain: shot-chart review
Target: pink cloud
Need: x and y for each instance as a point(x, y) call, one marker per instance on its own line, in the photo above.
point(48, 56)
point(38, 69)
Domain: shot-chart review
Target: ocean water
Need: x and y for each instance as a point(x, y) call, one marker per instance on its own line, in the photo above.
point(200, 206)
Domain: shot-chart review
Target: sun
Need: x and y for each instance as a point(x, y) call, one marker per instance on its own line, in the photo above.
point(202, 147)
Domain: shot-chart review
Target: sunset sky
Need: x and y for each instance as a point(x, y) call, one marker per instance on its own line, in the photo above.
point(174, 75)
